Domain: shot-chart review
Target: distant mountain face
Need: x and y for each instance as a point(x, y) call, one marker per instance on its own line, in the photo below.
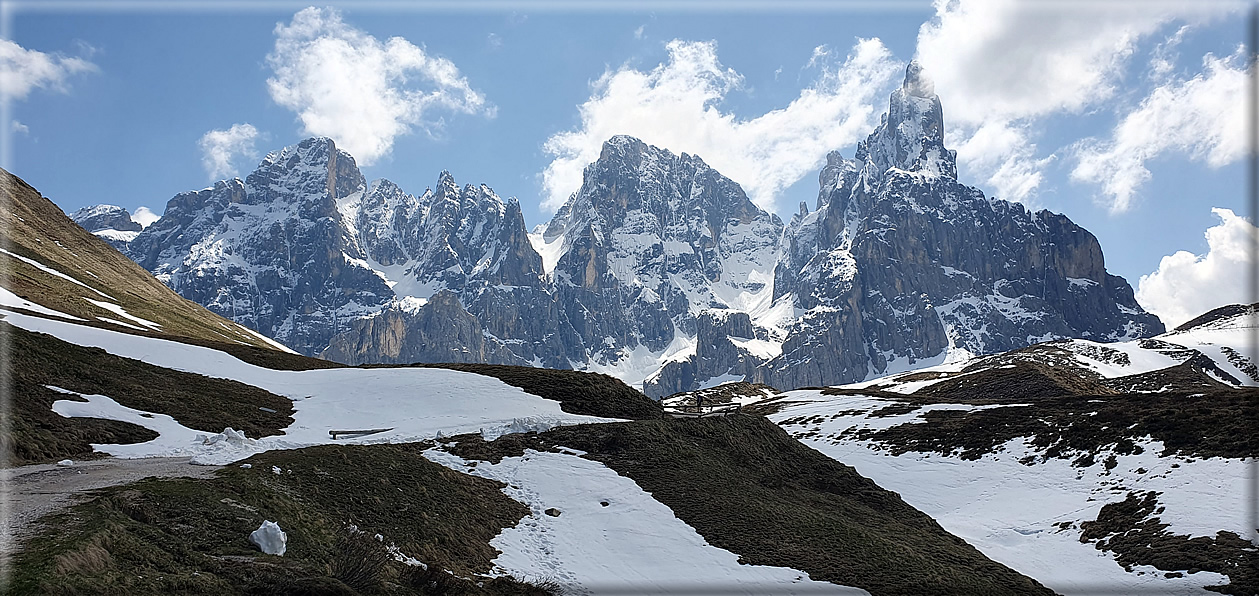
point(111, 223)
point(658, 270)
point(900, 263)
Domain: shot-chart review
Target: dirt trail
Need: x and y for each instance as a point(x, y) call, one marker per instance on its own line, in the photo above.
point(31, 492)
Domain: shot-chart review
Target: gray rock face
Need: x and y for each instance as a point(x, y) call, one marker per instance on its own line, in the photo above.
point(650, 241)
point(111, 223)
point(440, 331)
point(271, 251)
point(899, 262)
point(725, 349)
point(659, 270)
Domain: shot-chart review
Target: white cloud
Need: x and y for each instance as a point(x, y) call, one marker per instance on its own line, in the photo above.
point(676, 105)
point(20, 128)
point(22, 70)
point(1005, 152)
point(1186, 285)
point(220, 149)
point(1204, 117)
point(145, 217)
point(1163, 59)
point(361, 92)
point(1000, 65)
point(494, 40)
point(638, 33)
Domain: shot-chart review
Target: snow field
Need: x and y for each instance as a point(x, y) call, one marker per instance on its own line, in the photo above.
point(634, 543)
point(1008, 510)
point(416, 403)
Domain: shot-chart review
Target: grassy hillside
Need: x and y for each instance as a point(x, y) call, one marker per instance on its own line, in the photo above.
point(190, 536)
point(748, 487)
point(740, 481)
point(32, 227)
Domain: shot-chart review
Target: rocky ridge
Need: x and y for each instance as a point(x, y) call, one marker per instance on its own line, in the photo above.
point(658, 270)
point(900, 264)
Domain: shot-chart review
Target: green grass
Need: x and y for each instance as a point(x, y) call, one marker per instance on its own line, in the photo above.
point(37, 434)
point(748, 487)
point(190, 536)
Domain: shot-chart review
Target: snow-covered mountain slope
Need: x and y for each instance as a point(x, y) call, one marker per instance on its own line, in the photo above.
point(271, 251)
point(589, 528)
point(611, 536)
point(1089, 466)
point(650, 242)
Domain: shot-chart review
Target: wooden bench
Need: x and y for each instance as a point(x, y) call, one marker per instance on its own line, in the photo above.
point(357, 433)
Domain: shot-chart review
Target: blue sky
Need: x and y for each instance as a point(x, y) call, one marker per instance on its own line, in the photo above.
point(1125, 117)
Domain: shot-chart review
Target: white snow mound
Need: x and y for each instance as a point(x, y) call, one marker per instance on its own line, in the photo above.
point(270, 538)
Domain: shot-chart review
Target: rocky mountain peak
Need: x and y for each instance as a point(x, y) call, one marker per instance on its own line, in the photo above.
point(313, 168)
point(105, 217)
point(916, 83)
point(910, 136)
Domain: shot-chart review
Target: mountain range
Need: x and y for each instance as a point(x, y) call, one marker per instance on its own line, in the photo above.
point(659, 270)
point(1073, 465)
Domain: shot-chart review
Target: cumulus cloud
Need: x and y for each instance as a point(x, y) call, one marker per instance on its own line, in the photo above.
point(1000, 65)
point(22, 70)
point(1186, 285)
point(222, 149)
point(1203, 117)
point(676, 105)
point(145, 217)
point(358, 90)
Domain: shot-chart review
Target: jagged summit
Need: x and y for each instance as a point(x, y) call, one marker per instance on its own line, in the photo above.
point(659, 269)
point(910, 136)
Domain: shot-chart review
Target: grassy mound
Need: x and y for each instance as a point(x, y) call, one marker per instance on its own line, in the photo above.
point(748, 487)
point(1132, 530)
point(190, 536)
point(1018, 382)
point(37, 434)
point(591, 394)
point(1209, 424)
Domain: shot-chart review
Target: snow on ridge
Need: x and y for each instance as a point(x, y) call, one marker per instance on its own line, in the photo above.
point(10, 300)
point(118, 310)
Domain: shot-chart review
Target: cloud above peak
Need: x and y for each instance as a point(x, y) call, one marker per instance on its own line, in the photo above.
point(1000, 66)
point(677, 105)
point(362, 92)
point(221, 150)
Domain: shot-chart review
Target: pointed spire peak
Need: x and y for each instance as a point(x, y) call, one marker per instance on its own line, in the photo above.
point(446, 179)
point(917, 83)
